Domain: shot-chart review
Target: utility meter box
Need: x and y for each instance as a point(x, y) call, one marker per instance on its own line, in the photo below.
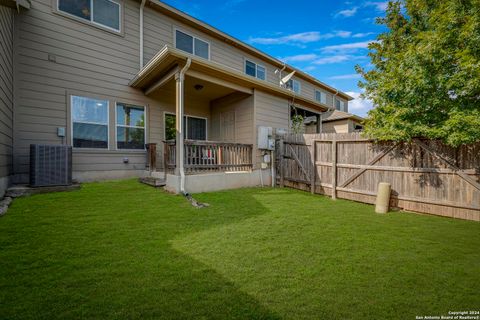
point(265, 139)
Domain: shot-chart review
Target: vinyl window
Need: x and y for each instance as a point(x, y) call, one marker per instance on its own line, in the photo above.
point(130, 126)
point(294, 86)
point(89, 122)
point(255, 70)
point(192, 45)
point(339, 105)
point(321, 97)
point(106, 13)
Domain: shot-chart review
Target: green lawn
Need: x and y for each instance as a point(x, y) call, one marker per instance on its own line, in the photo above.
point(125, 250)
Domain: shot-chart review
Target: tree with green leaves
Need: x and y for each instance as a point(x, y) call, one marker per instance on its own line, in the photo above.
point(425, 79)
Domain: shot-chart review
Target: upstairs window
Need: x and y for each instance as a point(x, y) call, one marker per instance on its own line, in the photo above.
point(321, 97)
point(105, 13)
point(130, 126)
point(340, 105)
point(294, 86)
point(255, 70)
point(89, 123)
point(192, 45)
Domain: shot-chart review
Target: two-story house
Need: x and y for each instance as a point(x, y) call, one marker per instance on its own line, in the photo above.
point(108, 77)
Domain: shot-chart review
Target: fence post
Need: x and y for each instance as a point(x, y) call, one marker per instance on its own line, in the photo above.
point(282, 162)
point(334, 169)
point(314, 166)
point(152, 156)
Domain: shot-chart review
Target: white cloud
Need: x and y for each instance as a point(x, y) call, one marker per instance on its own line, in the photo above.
point(304, 37)
point(319, 60)
point(347, 12)
point(347, 46)
point(358, 105)
point(300, 58)
point(301, 38)
point(333, 59)
point(362, 35)
point(340, 34)
point(379, 6)
point(346, 76)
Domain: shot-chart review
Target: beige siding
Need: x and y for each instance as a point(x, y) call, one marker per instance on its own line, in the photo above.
point(6, 91)
point(243, 111)
point(58, 56)
point(339, 126)
point(270, 111)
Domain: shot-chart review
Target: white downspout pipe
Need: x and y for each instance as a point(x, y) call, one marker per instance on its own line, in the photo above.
point(180, 91)
point(142, 5)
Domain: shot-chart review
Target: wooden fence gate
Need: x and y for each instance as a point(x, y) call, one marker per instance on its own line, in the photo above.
point(426, 176)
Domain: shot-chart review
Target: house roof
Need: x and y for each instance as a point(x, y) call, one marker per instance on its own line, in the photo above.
point(208, 29)
point(162, 65)
point(340, 115)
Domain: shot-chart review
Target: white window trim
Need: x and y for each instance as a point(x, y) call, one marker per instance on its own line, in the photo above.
point(91, 21)
point(89, 122)
point(175, 29)
point(126, 126)
point(186, 124)
point(256, 70)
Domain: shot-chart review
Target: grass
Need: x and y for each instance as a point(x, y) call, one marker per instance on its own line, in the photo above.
point(124, 250)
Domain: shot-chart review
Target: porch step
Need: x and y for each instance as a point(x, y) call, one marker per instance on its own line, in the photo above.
point(154, 182)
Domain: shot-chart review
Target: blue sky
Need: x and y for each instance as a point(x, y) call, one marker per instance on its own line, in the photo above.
point(324, 38)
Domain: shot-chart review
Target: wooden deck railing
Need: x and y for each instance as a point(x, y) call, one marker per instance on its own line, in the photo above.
point(210, 156)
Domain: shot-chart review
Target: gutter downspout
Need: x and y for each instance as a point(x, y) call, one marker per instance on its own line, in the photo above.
point(142, 5)
point(180, 111)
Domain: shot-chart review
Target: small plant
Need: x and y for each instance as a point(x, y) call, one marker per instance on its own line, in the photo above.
point(297, 122)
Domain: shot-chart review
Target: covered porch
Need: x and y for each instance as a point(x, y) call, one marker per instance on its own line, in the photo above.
point(199, 124)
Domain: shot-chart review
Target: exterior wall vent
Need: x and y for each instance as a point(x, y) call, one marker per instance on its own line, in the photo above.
point(50, 165)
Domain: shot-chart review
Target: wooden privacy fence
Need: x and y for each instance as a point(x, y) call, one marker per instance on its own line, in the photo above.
point(426, 176)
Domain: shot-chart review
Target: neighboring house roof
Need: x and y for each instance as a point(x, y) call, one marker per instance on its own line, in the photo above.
point(200, 25)
point(340, 115)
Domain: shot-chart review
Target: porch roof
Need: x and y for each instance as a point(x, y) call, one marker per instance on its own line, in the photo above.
point(168, 61)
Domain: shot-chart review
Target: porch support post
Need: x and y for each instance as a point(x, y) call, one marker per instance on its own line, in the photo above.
point(179, 107)
point(179, 112)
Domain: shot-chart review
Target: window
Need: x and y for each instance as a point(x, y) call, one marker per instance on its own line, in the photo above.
point(89, 123)
point(321, 97)
point(130, 126)
point(192, 45)
point(358, 127)
point(339, 105)
point(255, 70)
point(294, 85)
point(101, 12)
point(195, 128)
